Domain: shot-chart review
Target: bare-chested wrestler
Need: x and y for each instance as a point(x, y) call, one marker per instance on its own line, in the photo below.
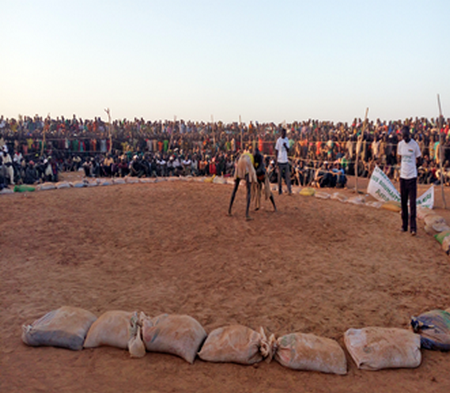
point(263, 179)
point(245, 169)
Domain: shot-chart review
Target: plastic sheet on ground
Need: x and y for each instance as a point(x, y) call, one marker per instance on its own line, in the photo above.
point(434, 329)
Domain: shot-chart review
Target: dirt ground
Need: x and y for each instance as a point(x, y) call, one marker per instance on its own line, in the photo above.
point(315, 266)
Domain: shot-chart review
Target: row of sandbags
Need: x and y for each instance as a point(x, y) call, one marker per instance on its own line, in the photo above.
point(435, 225)
point(371, 348)
point(355, 200)
point(94, 182)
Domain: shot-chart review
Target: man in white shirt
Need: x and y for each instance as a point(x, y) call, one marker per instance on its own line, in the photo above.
point(8, 165)
point(281, 158)
point(409, 151)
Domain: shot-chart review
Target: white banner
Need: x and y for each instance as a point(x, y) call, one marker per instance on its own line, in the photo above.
point(382, 189)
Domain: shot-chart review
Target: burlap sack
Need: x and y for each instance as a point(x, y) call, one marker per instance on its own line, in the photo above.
point(65, 327)
point(301, 351)
point(376, 348)
point(136, 346)
point(179, 335)
point(235, 343)
point(110, 329)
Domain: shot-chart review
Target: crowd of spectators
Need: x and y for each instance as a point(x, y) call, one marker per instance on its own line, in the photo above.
point(322, 153)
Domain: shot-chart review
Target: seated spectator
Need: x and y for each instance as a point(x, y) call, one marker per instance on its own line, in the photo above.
point(31, 174)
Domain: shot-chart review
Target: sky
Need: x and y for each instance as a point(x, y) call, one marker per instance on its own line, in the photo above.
point(201, 60)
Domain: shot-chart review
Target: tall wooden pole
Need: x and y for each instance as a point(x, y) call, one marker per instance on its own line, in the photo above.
point(108, 112)
point(171, 134)
point(240, 129)
point(214, 132)
point(441, 151)
point(357, 155)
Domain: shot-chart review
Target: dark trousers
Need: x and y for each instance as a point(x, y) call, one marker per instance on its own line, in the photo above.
point(283, 170)
point(408, 190)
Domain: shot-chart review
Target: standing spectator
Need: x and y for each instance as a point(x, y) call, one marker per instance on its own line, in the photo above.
point(409, 152)
point(281, 157)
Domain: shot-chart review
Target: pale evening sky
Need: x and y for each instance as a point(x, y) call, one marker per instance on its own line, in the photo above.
point(264, 60)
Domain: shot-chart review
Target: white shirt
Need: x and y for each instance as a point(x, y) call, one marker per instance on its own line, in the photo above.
point(282, 156)
point(409, 152)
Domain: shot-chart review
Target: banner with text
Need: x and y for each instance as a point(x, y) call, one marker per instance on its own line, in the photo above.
point(381, 188)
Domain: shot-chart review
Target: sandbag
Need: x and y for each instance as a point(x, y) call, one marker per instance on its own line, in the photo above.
point(374, 204)
point(434, 329)
point(339, 197)
point(110, 329)
point(357, 200)
point(179, 335)
point(65, 327)
point(146, 180)
point(78, 184)
point(446, 244)
point(435, 223)
point(105, 182)
point(62, 184)
point(118, 180)
point(441, 236)
point(322, 195)
point(24, 188)
point(376, 348)
point(219, 180)
point(392, 206)
point(422, 212)
point(136, 346)
point(131, 180)
point(308, 191)
point(300, 351)
point(236, 344)
point(92, 183)
point(6, 191)
point(45, 187)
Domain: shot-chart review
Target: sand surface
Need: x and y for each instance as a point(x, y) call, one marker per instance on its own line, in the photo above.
point(315, 266)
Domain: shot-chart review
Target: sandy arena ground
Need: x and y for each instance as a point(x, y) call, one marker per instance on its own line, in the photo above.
point(315, 266)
